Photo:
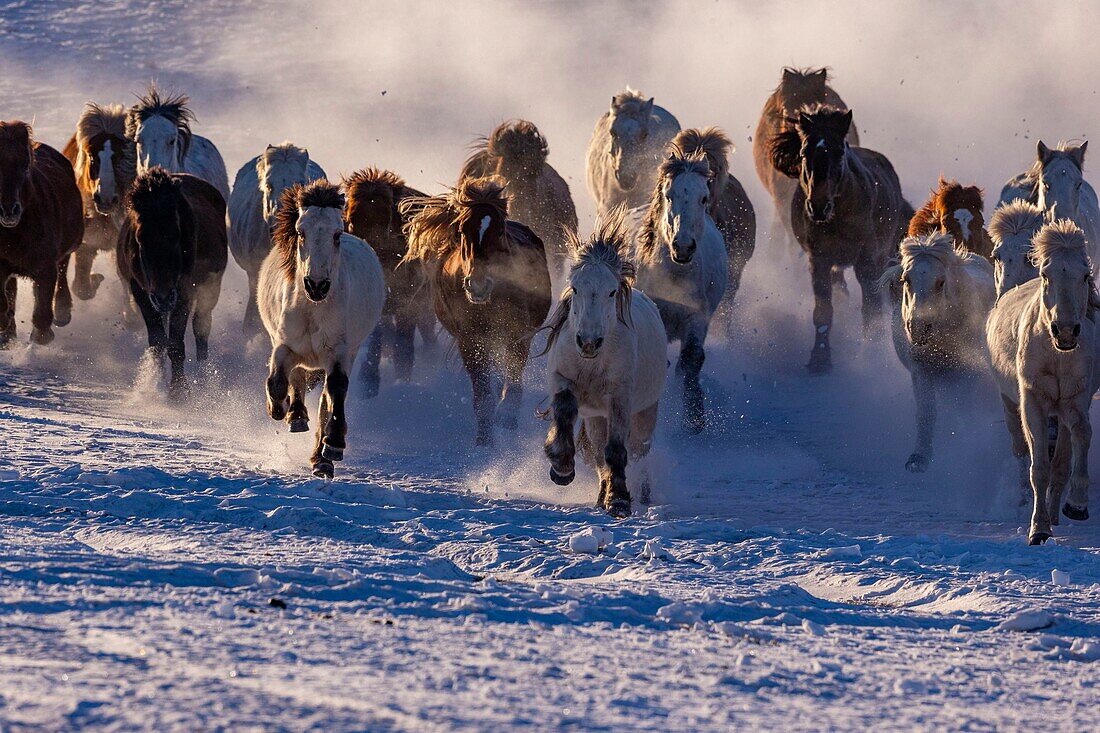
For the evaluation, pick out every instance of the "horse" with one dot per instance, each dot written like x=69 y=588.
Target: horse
x=1056 y=181
x=848 y=210
x=941 y=296
x=171 y=256
x=607 y=365
x=730 y=207
x=797 y=88
x=321 y=292
x=257 y=192
x=373 y=214
x=41 y=225
x=1012 y=227
x=160 y=128
x=1043 y=347
x=490 y=286
x=626 y=149
x=516 y=152
x=956 y=210
x=682 y=266
x=105 y=165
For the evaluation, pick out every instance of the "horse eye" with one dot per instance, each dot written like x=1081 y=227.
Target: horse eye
x=336 y=238
x=939 y=286
x=612 y=293
x=171 y=142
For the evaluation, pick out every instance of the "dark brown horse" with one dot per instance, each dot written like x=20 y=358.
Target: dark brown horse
x=373 y=214
x=172 y=252
x=848 y=210
x=516 y=152
x=105 y=165
x=490 y=285
x=41 y=225
x=956 y=210
x=729 y=204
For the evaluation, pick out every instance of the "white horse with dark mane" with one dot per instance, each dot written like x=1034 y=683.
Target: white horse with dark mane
x=607 y=364
x=321 y=294
x=160 y=127
x=1043 y=344
x=682 y=266
x=941 y=297
x=1055 y=183
x=1012 y=227
x=257 y=193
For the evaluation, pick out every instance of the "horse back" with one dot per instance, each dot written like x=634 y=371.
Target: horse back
x=208 y=213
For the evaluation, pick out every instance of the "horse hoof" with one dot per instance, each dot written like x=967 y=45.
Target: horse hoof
x=299 y=425
x=42 y=336
x=332 y=453
x=179 y=392
x=1079 y=514
x=917 y=463
x=323 y=469
x=278 y=412
x=1038 y=538
x=562 y=479
x=619 y=508
x=62 y=316
x=819 y=366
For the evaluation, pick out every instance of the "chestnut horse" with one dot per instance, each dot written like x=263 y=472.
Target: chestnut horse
x=490 y=286
x=956 y=210
x=372 y=213
x=41 y=225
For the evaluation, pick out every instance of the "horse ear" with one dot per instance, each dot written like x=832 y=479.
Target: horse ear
x=177 y=182
x=648 y=109
x=847 y=121
x=1078 y=154
x=1042 y=151
x=270 y=146
x=821 y=74
x=788 y=74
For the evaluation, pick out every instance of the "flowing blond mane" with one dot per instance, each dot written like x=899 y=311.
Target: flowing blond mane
x=675 y=165
x=1016 y=217
x=713 y=143
x=1061 y=238
x=433 y=227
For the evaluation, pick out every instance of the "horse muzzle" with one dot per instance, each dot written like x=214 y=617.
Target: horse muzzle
x=920 y=332
x=589 y=348
x=1066 y=336
x=820 y=214
x=682 y=254
x=10 y=217
x=104 y=204
x=626 y=180
x=316 y=290
x=478 y=292
x=164 y=303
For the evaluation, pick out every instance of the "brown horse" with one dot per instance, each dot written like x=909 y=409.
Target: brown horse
x=729 y=204
x=373 y=214
x=956 y=210
x=105 y=165
x=516 y=152
x=490 y=286
x=41 y=225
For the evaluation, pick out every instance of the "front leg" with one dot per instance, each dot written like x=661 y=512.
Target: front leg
x=690 y=366
x=476 y=361
x=617 y=501
x=278 y=381
x=560 y=448
x=62 y=296
x=7 y=306
x=154 y=323
x=515 y=360
x=178 y=388
x=1077 y=506
x=370 y=371
x=336 y=428
x=868 y=272
x=924 y=393
x=1035 y=417
x=821 y=279
x=42 y=317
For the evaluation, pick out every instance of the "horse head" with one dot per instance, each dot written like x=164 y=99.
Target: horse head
x=16 y=164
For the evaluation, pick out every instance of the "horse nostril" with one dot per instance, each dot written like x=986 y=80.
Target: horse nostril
x=599 y=342
x=1054 y=329
x=16 y=209
x=1076 y=330
x=580 y=342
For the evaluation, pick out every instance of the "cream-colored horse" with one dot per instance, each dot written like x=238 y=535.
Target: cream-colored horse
x=941 y=297
x=607 y=363
x=1043 y=348
x=1011 y=229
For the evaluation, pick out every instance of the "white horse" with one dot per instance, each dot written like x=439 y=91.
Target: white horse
x=161 y=130
x=1011 y=228
x=682 y=266
x=257 y=191
x=321 y=294
x=1043 y=345
x=607 y=364
x=941 y=297
x=1056 y=182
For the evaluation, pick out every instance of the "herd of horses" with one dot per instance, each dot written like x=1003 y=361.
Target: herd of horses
x=369 y=263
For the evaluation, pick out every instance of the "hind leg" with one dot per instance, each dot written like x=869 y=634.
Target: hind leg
x=595 y=429
x=515 y=360
x=62 y=297
x=1019 y=441
x=1080 y=429
x=642 y=425
x=821 y=358
x=559 y=447
x=868 y=271
x=336 y=426
x=404 y=347
x=476 y=362
x=206 y=297
x=252 y=324
x=297 y=417
x=369 y=372
x=322 y=467
x=1059 y=473
x=85 y=284
x=43 y=316
x=7 y=307
x=690 y=366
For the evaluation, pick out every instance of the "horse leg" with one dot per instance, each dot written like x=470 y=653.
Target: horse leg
x=868 y=272
x=297 y=417
x=690 y=365
x=559 y=446
x=1019 y=441
x=425 y=325
x=85 y=284
x=178 y=389
x=370 y=371
x=1035 y=430
x=42 y=317
x=322 y=467
x=821 y=358
x=924 y=393
x=1077 y=506
x=336 y=427
x=596 y=429
x=252 y=324
x=840 y=285
x=62 y=297
x=278 y=383
x=7 y=307
x=515 y=360
x=1061 y=458
x=617 y=502
x=476 y=362
x=642 y=425
x=404 y=346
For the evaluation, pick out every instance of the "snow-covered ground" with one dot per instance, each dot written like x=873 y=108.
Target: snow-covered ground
x=177 y=568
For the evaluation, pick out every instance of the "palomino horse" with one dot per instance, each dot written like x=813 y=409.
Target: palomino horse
x=490 y=286
x=41 y=225
x=321 y=293
x=257 y=191
x=848 y=210
x=956 y=210
x=730 y=207
x=626 y=150
x=160 y=128
x=608 y=357
x=1055 y=182
x=682 y=266
x=1043 y=344
x=1012 y=227
x=941 y=296
x=105 y=166
x=171 y=255
x=538 y=196
x=373 y=214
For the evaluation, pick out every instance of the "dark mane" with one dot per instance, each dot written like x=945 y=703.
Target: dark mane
x=172 y=107
x=515 y=144
x=370 y=192
x=284 y=235
x=18 y=133
x=948 y=196
x=785 y=149
x=433 y=227
x=677 y=163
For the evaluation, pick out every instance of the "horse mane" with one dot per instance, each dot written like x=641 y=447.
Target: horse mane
x=785 y=149
x=714 y=144
x=802 y=72
x=432 y=227
x=629 y=103
x=284 y=152
x=369 y=182
x=284 y=234
x=152 y=192
x=937 y=245
x=676 y=164
x=1062 y=236
x=928 y=217
x=609 y=245
x=17 y=132
x=1016 y=217
x=107 y=120
x=172 y=107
